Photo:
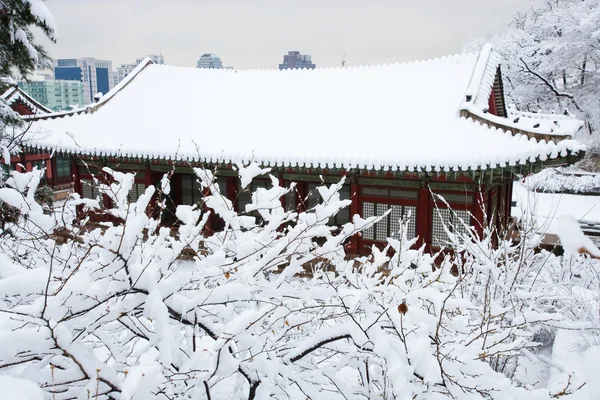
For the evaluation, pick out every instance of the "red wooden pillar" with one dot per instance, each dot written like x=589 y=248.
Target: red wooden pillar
x=49 y=173
x=423 y=217
x=479 y=209
x=148 y=175
x=509 y=192
x=147 y=183
x=107 y=180
x=76 y=177
x=282 y=198
x=302 y=188
x=232 y=191
x=76 y=182
x=354 y=209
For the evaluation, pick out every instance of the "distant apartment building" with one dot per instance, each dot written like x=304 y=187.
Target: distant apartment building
x=156 y=59
x=57 y=95
x=125 y=69
x=96 y=75
x=293 y=59
x=209 y=60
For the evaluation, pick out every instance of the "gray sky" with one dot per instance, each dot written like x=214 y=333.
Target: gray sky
x=256 y=34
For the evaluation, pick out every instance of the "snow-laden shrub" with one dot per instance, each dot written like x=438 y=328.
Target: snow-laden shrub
x=116 y=313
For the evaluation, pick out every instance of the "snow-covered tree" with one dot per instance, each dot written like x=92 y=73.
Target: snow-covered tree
x=552 y=60
x=270 y=307
x=19 y=56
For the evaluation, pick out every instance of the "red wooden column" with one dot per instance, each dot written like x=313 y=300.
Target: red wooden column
x=282 y=184
x=509 y=192
x=423 y=228
x=354 y=209
x=49 y=173
x=480 y=204
x=148 y=182
x=76 y=177
x=232 y=191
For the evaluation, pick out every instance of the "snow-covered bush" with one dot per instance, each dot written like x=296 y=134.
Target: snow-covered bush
x=557 y=180
x=116 y=313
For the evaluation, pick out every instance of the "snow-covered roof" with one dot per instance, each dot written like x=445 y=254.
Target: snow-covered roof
x=478 y=94
x=15 y=93
x=391 y=117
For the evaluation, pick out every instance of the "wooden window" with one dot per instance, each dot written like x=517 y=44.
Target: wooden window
x=451 y=219
x=389 y=227
x=456 y=198
x=394 y=193
x=343 y=215
x=290 y=200
x=245 y=196
x=90 y=191
x=63 y=167
x=136 y=191
x=191 y=191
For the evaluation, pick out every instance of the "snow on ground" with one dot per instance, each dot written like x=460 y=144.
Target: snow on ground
x=548 y=207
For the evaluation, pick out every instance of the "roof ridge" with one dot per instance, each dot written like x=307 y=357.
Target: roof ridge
x=435 y=60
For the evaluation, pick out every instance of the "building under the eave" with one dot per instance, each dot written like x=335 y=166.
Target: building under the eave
x=402 y=134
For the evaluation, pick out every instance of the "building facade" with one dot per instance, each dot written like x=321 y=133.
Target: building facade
x=57 y=95
x=156 y=59
x=125 y=69
x=209 y=60
x=95 y=75
x=295 y=60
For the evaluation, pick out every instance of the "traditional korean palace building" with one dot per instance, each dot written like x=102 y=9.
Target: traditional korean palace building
x=402 y=134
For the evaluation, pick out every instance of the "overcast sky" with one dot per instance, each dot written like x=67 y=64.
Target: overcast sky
x=256 y=34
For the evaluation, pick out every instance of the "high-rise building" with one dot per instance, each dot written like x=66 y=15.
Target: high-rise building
x=209 y=60
x=156 y=59
x=293 y=59
x=125 y=69
x=96 y=75
x=57 y=95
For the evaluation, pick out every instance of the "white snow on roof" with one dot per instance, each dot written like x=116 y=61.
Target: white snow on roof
x=398 y=117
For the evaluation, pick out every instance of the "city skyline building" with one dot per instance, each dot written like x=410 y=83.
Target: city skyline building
x=209 y=60
x=293 y=59
x=96 y=75
x=57 y=95
x=125 y=69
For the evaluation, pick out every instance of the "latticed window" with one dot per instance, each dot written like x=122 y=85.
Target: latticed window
x=136 y=191
x=245 y=196
x=452 y=220
x=390 y=225
x=385 y=192
x=90 y=190
x=63 y=167
x=191 y=190
x=290 y=200
x=313 y=195
x=343 y=215
x=456 y=198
